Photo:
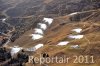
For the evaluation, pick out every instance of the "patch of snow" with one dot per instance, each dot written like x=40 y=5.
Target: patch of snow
x=31 y=49
x=78 y=30
x=39 y=31
x=48 y=20
x=3 y=19
x=76 y=36
x=38 y=46
x=42 y=26
x=73 y=13
x=75 y=46
x=35 y=47
x=15 y=50
x=36 y=36
x=63 y=43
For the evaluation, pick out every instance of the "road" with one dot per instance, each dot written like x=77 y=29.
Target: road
x=9 y=34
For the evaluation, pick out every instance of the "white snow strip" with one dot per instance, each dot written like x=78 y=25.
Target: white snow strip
x=39 y=31
x=73 y=13
x=76 y=36
x=78 y=30
x=48 y=20
x=42 y=26
x=30 y=49
x=38 y=46
x=36 y=36
x=35 y=47
x=63 y=43
x=75 y=46
x=3 y=19
x=15 y=50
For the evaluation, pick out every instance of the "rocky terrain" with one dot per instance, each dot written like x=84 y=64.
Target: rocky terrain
x=65 y=27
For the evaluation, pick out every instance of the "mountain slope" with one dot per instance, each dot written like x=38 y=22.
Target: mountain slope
x=75 y=30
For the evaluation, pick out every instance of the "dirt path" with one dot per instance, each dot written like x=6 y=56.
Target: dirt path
x=13 y=6
x=4 y=12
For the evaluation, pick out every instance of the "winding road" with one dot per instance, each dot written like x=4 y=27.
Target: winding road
x=13 y=6
x=9 y=34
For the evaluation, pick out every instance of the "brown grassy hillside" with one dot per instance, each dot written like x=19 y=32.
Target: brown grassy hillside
x=59 y=31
